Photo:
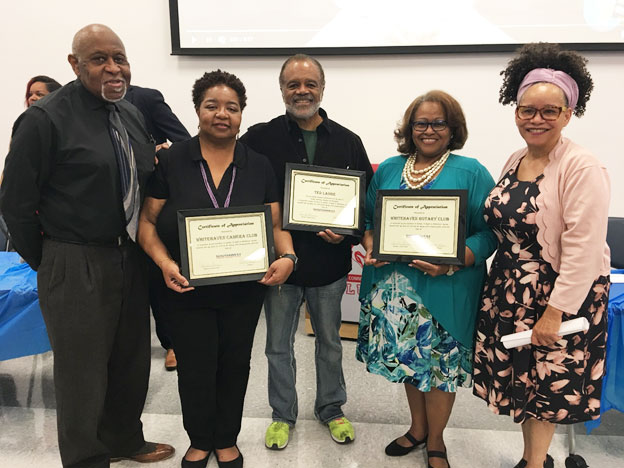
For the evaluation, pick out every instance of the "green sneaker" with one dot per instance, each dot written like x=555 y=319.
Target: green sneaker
x=276 y=437
x=341 y=430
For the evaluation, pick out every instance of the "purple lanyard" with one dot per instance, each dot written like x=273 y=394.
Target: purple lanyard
x=209 y=190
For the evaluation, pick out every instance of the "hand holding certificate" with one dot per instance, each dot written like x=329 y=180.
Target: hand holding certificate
x=225 y=245
x=427 y=225
x=318 y=198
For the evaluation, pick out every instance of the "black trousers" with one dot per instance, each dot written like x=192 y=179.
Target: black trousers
x=157 y=287
x=95 y=306
x=213 y=330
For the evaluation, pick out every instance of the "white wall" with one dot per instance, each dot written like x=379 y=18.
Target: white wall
x=367 y=94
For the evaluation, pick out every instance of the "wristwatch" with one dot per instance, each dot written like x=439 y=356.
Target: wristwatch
x=451 y=271
x=292 y=257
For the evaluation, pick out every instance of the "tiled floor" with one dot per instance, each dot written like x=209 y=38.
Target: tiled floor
x=475 y=437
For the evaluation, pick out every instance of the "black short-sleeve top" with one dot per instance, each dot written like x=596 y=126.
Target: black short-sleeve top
x=178 y=179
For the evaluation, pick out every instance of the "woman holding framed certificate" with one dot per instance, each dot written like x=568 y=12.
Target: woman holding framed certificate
x=549 y=211
x=417 y=318
x=218 y=184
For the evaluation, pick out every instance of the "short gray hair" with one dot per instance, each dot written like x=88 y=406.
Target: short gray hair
x=302 y=58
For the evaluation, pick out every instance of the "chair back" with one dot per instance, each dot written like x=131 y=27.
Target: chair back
x=615 y=239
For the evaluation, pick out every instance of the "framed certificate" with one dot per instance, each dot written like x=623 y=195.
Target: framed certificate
x=225 y=245
x=427 y=225
x=318 y=198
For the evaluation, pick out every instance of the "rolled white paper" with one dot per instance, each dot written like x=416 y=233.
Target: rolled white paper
x=617 y=277
x=524 y=338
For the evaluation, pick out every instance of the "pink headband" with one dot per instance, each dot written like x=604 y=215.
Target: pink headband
x=556 y=77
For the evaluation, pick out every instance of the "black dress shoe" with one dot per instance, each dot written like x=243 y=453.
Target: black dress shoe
x=236 y=463
x=395 y=450
x=436 y=454
x=548 y=463
x=197 y=463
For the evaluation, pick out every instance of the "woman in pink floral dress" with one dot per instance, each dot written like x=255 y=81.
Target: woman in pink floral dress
x=549 y=211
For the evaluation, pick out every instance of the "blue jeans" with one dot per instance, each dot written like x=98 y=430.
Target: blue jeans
x=281 y=307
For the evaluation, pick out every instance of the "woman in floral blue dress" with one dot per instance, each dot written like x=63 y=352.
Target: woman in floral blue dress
x=417 y=319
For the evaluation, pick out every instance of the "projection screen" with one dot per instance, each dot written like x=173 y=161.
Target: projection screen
x=280 y=27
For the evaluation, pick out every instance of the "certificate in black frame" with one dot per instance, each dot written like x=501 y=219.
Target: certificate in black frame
x=291 y=224
x=220 y=214
x=460 y=224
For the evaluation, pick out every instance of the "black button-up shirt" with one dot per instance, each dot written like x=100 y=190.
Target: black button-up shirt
x=61 y=177
x=281 y=140
x=178 y=179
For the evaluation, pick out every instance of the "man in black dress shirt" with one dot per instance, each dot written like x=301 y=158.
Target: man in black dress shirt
x=306 y=135
x=63 y=203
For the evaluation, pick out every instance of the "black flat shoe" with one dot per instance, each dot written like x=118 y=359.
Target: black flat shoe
x=236 y=463
x=396 y=450
x=195 y=464
x=548 y=463
x=436 y=454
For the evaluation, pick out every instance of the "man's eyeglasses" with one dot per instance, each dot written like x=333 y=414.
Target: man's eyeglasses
x=436 y=125
x=548 y=113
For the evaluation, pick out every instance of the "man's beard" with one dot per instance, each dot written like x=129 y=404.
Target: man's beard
x=303 y=114
x=107 y=99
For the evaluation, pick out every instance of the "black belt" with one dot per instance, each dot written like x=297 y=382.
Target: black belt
x=117 y=242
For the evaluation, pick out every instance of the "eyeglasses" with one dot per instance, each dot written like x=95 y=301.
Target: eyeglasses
x=547 y=113
x=436 y=125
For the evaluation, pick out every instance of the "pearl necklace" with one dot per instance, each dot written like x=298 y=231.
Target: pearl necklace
x=425 y=175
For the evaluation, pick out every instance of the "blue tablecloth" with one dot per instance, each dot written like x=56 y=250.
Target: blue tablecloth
x=612 y=397
x=22 y=330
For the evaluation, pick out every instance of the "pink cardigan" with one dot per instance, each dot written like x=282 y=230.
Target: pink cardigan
x=572 y=219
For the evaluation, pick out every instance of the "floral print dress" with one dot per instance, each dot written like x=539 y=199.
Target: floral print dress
x=399 y=339
x=560 y=383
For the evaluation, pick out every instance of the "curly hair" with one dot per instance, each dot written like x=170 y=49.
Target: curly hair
x=216 y=78
x=546 y=55
x=454 y=117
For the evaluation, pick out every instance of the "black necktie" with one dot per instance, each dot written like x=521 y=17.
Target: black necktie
x=127 y=170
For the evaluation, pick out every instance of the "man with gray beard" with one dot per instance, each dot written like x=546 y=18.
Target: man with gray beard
x=71 y=194
x=305 y=135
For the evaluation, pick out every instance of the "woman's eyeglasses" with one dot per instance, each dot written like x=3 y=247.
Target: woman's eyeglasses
x=548 y=113
x=436 y=125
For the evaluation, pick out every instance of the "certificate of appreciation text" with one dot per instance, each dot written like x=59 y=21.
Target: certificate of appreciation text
x=226 y=247
x=420 y=224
